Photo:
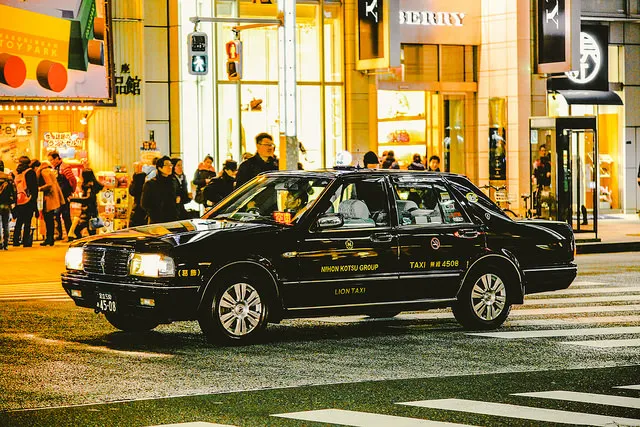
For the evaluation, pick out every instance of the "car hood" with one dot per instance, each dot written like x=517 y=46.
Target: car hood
x=179 y=232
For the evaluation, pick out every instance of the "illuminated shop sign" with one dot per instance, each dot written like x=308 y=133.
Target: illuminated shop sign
x=440 y=22
x=377 y=44
x=592 y=73
x=558 y=47
x=449 y=19
x=55 y=49
x=62 y=140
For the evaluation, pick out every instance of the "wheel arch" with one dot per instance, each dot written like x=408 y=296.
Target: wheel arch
x=502 y=262
x=251 y=268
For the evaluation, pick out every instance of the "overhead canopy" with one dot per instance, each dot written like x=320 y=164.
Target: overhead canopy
x=591 y=97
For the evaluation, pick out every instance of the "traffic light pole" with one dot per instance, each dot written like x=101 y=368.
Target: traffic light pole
x=287 y=85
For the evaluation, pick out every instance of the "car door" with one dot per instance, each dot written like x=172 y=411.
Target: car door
x=352 y=264
x=436 y=238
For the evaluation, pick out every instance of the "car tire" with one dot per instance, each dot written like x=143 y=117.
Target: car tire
x=131 y=323
x=483 y=301
x=235 y=313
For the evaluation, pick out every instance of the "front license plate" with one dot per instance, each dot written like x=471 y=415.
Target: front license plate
x=106 y=302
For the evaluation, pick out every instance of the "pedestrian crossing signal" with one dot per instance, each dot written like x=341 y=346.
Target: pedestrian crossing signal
x=198 y=53
x=234 y=59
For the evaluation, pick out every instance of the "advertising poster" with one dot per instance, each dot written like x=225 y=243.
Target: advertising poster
x=55 y=49
x=16 y=139
x=497 y=154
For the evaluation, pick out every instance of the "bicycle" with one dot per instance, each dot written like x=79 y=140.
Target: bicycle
x=527 y=209
x=501 y=198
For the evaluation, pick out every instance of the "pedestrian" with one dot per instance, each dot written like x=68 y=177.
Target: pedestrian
x=7 y=201
x=182 y=188
x=90 y=188
x=68 y=183
x=264 y=160
x=222 y=186
x=416 y=163
x=371 y=160
x=390 y=161
x=26 y=181
x=203 y=176
x=159 y=194
x=52 y=199
x=138 y=216
x=434 y=164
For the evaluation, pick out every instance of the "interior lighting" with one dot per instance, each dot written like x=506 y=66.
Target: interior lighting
x=83 y=120
x=22 y=120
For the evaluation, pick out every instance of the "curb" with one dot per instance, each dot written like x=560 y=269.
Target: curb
x=599 y=247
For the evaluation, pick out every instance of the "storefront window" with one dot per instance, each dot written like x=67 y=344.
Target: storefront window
x=420 y=63
x=453 y=146
x=334 y=135
x=332 y=52
x=452 y=69
x=603 y=6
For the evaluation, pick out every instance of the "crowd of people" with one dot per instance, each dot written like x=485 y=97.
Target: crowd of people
x=19 y=199
x=388 y=161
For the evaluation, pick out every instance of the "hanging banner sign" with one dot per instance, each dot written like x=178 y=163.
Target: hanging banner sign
x=558 y=35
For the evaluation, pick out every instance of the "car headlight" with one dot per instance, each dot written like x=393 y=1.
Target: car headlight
x=73 y=259
x=151 y=265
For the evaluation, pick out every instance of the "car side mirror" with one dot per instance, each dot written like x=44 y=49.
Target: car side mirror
x=330 y=220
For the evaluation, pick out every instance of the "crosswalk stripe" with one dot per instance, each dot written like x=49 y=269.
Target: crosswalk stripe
x=194 y=424
x=363 y=419
x=586 y=291
x=630 y=387
x=574 y=396
x=523 y=412
x=573 y=320
x=559 y=332
x=582 y=300
x=606 y=343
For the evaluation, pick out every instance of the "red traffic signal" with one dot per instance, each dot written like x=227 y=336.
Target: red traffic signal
x=234 y=59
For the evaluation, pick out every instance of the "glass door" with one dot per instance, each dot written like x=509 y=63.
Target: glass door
x=584 y=187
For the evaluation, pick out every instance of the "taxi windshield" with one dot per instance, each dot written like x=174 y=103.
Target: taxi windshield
x=268 y=198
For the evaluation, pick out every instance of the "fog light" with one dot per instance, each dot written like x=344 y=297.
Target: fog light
x=148 y=301
x=76 y=293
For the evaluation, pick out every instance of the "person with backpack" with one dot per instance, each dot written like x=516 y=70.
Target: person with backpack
x=7 y=200
x=26 y=202
x=68 y=183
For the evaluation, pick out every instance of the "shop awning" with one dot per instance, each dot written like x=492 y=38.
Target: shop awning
x=591 y=97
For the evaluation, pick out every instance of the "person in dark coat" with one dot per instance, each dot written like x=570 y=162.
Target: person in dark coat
x=223 y=185
x=203 y=176
x=390 y=161
x=182 y=188
x=90 y=189
x=416 y=164
x=24 y=213
x=138 y=215
x=263 y=161
x=159 y=194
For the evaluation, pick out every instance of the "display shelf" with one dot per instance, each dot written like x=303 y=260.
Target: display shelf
x=402 y=119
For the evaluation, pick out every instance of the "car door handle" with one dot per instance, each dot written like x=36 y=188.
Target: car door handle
x=381 y=237
x=467 y=234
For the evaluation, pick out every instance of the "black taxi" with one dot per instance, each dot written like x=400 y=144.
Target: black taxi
x=293 y=244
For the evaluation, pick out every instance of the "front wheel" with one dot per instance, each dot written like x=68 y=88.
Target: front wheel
x=482 y=302
x=131 y=323
x=236 y=313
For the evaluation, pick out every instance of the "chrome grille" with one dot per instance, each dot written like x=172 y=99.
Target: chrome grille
x=113 y=261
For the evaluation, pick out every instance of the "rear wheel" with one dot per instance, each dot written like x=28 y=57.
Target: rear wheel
x=483 y=301
x=235 y=313
x=131 y=323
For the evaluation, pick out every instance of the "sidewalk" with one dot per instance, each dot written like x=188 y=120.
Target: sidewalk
x=616 y=233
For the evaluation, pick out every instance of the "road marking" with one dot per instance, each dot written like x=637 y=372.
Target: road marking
x=573 y=320
x=582 y=300
x=194 y=424
x=606 y=343
x=559 y=332
x=630 y=387
x=574 y=396
x=363 y=419
x=522 y=412
x=586 y=291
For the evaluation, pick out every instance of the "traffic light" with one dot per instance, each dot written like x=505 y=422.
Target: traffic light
x=198 y=53
x=234 y=59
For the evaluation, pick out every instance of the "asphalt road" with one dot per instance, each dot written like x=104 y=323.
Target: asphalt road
x=585 y=339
